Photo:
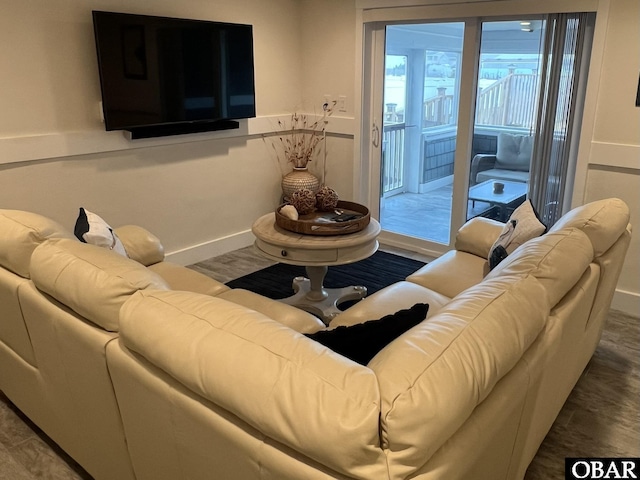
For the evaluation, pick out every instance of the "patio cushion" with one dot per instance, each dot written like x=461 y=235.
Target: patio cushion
x=501 y=174
x=514 y=152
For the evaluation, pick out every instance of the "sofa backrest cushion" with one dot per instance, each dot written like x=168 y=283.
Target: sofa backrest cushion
x=514 y=152
x=289 y=387
x=20 y=233
x=92 y=281
x=434 y=376
x=603 y=221
x=557 y=259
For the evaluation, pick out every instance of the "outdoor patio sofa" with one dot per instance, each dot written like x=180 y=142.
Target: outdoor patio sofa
x=510 y=162
x=189 y=385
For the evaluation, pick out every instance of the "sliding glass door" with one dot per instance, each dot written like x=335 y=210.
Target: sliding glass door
x=463 y=121
x=508 y=92
x=421 y=95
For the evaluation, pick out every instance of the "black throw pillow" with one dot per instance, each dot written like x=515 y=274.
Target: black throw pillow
x=363 y=341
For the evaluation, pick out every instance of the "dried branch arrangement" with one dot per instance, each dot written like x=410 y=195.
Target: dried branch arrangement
x=299 y=146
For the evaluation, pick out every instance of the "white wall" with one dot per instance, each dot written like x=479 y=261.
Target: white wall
x=612 y=168
x=199 y=197
x=49 y=68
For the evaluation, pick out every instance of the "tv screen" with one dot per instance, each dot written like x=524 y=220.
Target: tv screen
x=183 y=75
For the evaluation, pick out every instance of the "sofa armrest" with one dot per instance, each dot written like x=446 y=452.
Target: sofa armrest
x=480 y=163
x=478 y=235
x=141 y=245
x=186 y=279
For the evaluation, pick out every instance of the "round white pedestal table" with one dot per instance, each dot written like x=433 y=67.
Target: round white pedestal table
x=316 y=254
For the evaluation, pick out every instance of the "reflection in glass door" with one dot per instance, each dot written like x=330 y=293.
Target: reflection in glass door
x=421 y=95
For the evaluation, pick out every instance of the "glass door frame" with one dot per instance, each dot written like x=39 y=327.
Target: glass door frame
x=373 y=16
x=466 y=109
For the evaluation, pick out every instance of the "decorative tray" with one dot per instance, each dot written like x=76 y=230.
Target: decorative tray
x=327 y=223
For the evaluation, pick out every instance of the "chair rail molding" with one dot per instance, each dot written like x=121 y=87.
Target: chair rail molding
x=47 y=146
x=614 y=155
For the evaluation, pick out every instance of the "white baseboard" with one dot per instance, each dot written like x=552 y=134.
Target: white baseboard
x=415 y=245
x=626 y=302
x=213 y=248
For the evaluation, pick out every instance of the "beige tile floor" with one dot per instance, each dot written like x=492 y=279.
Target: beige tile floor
x=600 y=418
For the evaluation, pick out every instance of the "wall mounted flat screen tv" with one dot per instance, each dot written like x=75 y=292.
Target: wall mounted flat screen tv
x=165 y=76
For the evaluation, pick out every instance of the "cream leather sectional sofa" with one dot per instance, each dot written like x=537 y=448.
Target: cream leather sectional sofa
x=143 y=369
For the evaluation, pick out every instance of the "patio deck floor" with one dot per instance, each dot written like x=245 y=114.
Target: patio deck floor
x=423 y=215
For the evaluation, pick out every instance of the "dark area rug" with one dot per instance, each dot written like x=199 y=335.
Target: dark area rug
x=375 y=272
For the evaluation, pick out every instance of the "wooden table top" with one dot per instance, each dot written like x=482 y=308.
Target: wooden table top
x=299 y=249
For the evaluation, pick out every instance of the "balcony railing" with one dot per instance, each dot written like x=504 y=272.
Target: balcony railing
x=392 y=157
x=509 y=102
x=438 y=110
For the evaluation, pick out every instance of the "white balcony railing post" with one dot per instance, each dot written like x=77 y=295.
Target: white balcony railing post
x=392 y=157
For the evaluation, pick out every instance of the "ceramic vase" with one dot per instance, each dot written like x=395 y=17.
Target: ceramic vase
x=299 y=178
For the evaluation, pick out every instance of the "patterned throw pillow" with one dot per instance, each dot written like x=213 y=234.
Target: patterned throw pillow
x=92 y=229
x=523 y=225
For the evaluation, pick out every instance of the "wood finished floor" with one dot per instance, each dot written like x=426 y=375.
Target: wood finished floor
x=600 y=418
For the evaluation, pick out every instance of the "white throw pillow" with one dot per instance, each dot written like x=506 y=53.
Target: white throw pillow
x=91 y=228
x=523 y=225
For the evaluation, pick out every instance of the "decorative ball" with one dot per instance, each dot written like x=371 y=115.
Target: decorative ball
x=326 y=199
x=289 y=211
x=303 y=200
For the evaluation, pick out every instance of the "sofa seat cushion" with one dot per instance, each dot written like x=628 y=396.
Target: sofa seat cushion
x=434 y=376
x=92 y=281
x=22 y=232
x=389 y=300
x=292 y=317
x=502 y=174
x=557 y=259
x=287 y=386
x=451 y=273
x=603 y=221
